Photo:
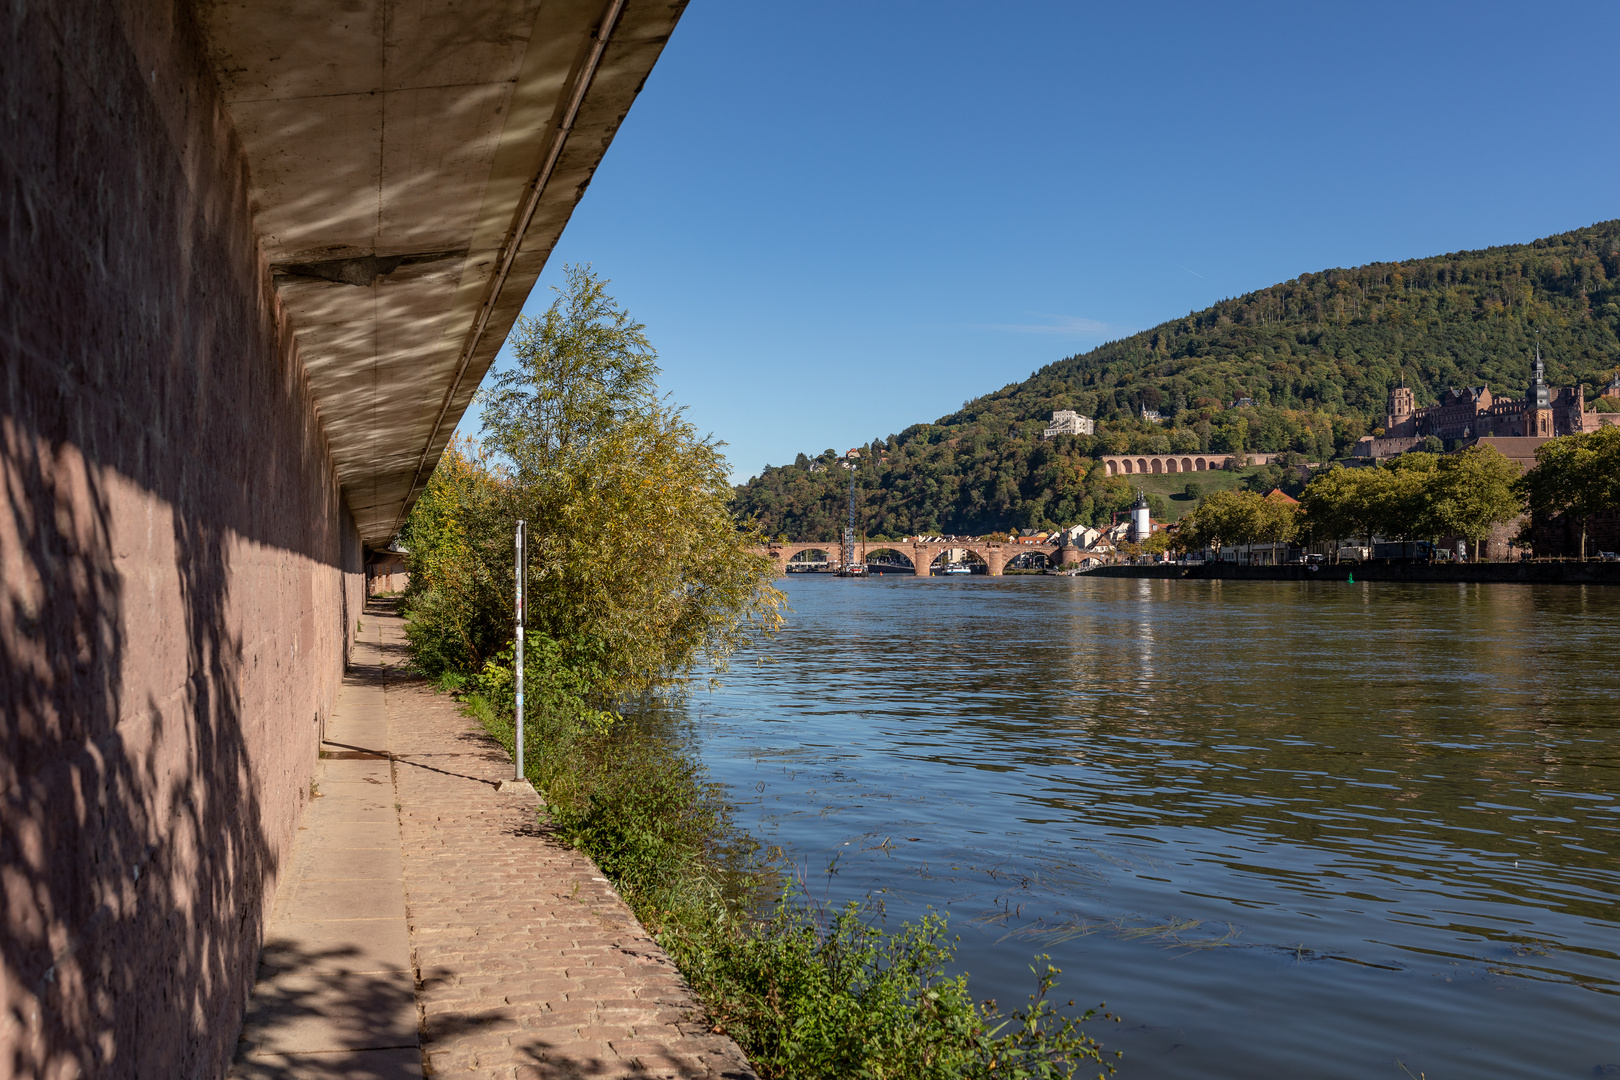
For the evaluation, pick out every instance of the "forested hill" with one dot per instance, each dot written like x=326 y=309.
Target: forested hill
x=1317 y=355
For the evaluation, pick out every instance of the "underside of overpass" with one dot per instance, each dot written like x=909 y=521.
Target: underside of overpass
x=412 y=165
x=255 y=258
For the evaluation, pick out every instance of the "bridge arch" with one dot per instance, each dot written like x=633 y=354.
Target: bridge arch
x=1038 y=558
x=975 y=560
x=889 y=559
x=806 y=557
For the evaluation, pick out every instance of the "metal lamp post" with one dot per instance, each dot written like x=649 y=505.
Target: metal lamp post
x=522 y=575
x=519 y=783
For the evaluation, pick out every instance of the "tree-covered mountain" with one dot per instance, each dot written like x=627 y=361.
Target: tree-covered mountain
x=1317 y=356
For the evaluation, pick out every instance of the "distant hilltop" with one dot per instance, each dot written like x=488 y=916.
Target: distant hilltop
x=1303 y=367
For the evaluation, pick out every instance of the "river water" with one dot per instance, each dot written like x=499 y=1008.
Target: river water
x=1282 y=829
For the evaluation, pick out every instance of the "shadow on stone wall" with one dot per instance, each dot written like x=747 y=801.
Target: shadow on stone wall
x=132 y=853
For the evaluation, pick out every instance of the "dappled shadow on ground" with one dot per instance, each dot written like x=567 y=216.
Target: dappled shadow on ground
x=330 y=990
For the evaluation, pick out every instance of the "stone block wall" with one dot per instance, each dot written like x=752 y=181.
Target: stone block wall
x=179 y=578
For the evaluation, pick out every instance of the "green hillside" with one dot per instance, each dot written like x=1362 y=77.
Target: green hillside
x=1317 y=355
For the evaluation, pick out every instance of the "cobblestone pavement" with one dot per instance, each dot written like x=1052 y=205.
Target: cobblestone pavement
x=527 y=964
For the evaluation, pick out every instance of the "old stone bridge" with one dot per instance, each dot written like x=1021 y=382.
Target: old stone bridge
x=922 y=555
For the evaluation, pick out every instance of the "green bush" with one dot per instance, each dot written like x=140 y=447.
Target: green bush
x=816 y=993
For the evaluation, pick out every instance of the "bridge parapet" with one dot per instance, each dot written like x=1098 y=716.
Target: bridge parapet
x=995 y=554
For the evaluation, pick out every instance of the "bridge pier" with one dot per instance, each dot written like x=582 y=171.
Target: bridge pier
x=922 y=560
x=995 y=556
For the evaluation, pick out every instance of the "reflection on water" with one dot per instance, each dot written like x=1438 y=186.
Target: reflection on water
x=1282 y=829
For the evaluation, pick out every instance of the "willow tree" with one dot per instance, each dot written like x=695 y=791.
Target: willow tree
x=635 y=556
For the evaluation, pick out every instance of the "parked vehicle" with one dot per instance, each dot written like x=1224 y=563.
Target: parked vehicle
x=1405 y=551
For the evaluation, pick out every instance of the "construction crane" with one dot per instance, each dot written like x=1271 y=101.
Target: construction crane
x=851 y=568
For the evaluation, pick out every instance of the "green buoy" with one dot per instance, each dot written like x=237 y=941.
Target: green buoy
x=1351 y=579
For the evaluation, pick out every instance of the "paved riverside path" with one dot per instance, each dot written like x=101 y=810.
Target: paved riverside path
x=430 y=927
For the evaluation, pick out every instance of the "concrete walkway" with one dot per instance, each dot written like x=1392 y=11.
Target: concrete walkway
x=429 y=927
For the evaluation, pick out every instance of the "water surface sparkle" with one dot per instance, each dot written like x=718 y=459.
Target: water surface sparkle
x=1282 y=829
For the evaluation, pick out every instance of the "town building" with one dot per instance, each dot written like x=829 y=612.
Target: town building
x=1069 y=422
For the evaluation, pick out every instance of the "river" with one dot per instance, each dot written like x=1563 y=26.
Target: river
x=1282 y=829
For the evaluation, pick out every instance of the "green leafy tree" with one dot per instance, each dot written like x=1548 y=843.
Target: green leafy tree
x=1403 y=501
x=1473 y=491
x=1277 y=520
x=457 y=608
x=638 y=570
x=1342 y=503
x=1576 y=477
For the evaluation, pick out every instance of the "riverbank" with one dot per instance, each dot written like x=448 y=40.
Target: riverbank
x=430 y=924
x=1549 y=573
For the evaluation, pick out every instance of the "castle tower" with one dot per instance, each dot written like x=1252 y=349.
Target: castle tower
x=1538 y=414
x=1401 y=407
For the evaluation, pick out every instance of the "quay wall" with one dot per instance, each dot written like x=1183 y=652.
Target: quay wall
x=1546 y=573
x=180 y=576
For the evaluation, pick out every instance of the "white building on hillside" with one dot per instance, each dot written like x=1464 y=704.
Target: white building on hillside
x=1069 y=422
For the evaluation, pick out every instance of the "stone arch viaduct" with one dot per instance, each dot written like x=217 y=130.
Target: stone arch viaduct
x=1135 y=464
x=995 y=554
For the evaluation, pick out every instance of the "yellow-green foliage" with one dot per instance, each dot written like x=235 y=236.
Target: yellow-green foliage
x=637 y=568
x=457 y=609
x=633 y=545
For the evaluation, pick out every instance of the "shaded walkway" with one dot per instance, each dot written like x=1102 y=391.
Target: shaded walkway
x=430 y=921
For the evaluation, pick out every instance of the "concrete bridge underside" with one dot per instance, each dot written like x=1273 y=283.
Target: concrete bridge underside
x=256 y=256
x=994 y=554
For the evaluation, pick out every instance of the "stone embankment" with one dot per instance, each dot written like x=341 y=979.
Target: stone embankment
x=428 y=925
x=1531 y=573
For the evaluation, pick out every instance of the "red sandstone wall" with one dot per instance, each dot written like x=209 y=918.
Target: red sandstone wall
x=180 y=578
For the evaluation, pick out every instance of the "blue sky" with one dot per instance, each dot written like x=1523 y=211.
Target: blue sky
x=838 y=219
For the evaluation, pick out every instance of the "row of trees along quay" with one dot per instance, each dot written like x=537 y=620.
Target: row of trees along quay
x=1421 y=495
x=640 y=579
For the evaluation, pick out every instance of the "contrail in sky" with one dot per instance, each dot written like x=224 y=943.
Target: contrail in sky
x=1194 y=273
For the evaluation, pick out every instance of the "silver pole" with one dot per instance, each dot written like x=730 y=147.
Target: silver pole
x=522 y=583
